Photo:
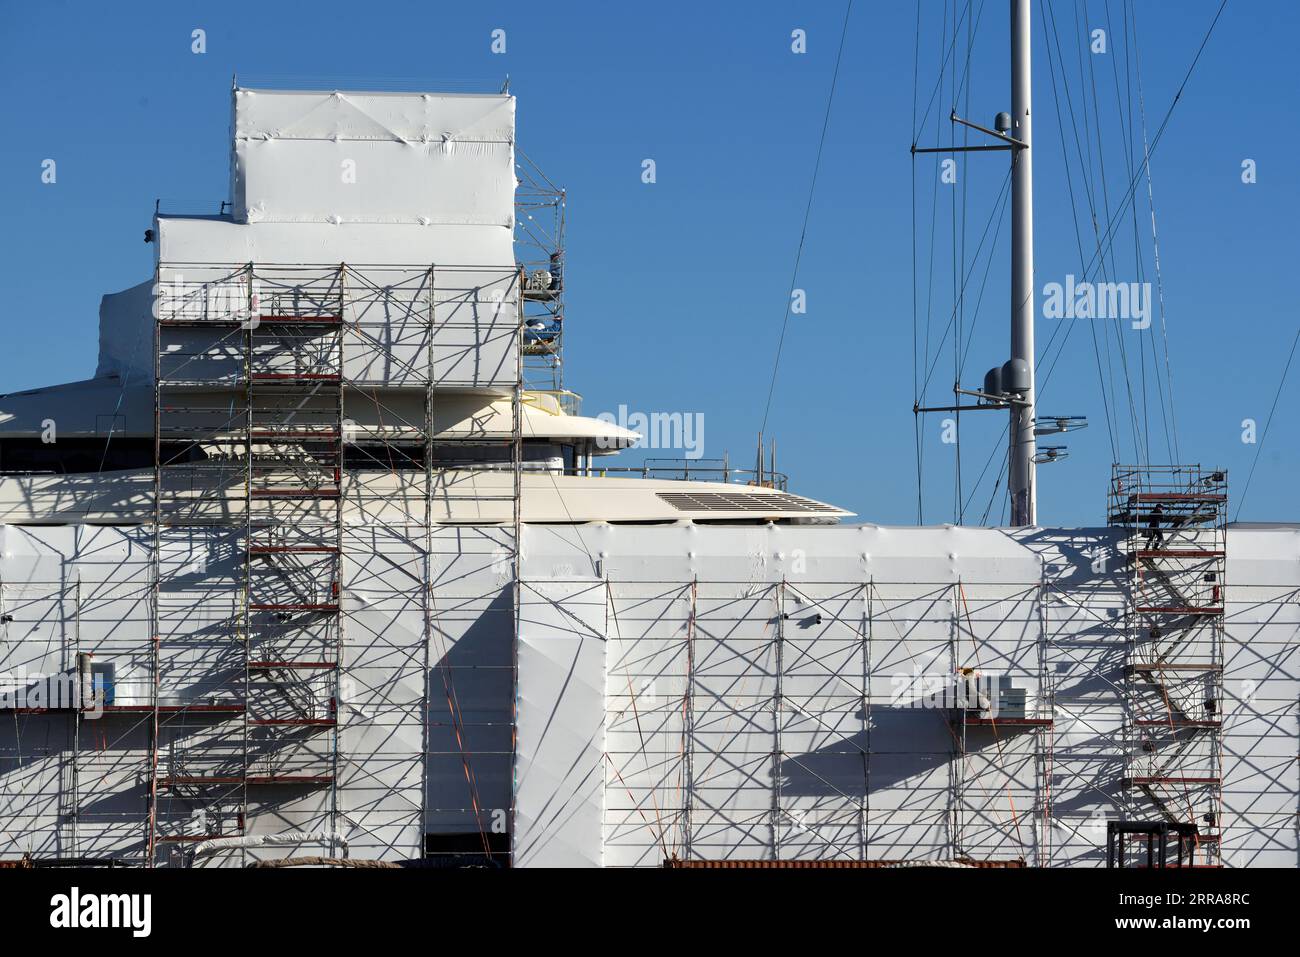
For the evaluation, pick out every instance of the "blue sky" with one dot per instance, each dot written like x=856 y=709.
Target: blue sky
x=677 y=289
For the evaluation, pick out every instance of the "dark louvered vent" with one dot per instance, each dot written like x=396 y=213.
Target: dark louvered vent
x=765 y=502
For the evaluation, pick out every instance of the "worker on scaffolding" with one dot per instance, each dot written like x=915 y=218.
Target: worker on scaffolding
x=1155 y=536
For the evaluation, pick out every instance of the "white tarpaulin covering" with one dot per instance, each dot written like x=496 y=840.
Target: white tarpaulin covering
x=608 y=769
x=199 y=240
x=815 y=746
x=373 y=157
x=561 y=727
x=126 y=332
x=330 y=177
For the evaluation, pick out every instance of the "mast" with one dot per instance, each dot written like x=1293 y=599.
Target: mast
x=1012 y=385
x=1021 y=471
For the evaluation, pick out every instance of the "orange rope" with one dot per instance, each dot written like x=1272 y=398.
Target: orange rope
x=453 y=707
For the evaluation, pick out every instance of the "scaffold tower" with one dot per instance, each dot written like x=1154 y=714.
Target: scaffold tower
x=287 y=398
x=1173 y=522
x=539 y=249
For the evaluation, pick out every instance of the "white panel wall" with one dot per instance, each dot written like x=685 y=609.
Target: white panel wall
x=560 y=765
x=1261 y=674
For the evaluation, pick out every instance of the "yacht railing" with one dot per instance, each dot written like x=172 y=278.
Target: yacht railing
x=554 y=401
x=691 y=470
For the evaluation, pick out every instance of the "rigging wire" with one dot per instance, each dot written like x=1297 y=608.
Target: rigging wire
x=1090 y=184
x=1105 y=239
x=984 y=282
x=993 y=496
x=970 y=42
x=812 y=190
x=943 y=66
x=1124 y=110
x=1267 y=422
x=1141 y=431
x=956 y=272
x=995 y=221
x=1078 y=238
x=1131 y=154
x=1048 y=359
x=995 y=216
x=997 y=447
x=916 y=421
x=1164 y=123
x=958 y=356
x=959 y=84
x=1172 y=433
x=934 y=217
x=1155 y=142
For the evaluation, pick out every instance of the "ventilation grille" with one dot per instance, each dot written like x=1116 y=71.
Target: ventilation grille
x=764 y=502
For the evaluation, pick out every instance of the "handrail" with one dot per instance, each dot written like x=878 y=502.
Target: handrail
x=690 y=471
x=568 y=403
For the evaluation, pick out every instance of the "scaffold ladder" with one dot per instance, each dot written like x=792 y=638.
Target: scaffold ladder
x=1173 y=522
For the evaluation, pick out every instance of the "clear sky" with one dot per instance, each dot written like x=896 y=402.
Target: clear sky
x=677 y=289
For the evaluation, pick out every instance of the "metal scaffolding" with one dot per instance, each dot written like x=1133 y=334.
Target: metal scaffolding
x=764 y=721
x=995 y=720
x=292 y=402
x=1174 y=522
x=539 y=248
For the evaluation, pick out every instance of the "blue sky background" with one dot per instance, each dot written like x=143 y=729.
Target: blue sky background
x=677 y=289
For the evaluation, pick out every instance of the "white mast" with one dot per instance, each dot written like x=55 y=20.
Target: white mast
x=1021 y=471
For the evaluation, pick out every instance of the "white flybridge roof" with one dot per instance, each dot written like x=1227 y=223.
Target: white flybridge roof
x=94 y=407
x=336 y=157
x=396 y=498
